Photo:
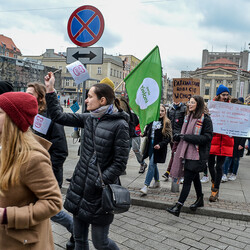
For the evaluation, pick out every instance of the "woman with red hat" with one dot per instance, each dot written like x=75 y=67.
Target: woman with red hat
x=29 y=193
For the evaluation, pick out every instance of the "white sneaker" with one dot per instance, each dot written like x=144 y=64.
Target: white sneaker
x=181 y=180
x=224 y=178
x=156 y=184
x=232 y=177
x=144 y=190
x=204 y=179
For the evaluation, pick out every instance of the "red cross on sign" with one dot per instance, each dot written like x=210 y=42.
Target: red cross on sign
x=85 y=26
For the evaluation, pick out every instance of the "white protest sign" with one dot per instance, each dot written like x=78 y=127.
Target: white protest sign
x=230 y=119
x=78 y=72
x=41 y=124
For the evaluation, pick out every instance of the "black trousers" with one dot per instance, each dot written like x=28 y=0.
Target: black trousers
x=189 y=177
x=216 y=169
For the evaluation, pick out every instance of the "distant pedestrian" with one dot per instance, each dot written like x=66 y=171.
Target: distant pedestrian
x=158 y=135
x=221 y=146
x=176 y=114
x=29 y=191
x=105 y=143
x=135 y=140
x=58 y=152
x=65 y=103
x=192 y=152
x=68 y=103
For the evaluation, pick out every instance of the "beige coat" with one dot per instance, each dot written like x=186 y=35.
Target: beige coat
x=30 y=205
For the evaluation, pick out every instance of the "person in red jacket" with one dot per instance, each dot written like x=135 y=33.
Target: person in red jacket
x=221 y=146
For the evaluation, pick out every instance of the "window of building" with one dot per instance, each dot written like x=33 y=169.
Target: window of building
x=114 y=72
x=67 y=82
x=99 y=70
x=230 y=91
x=7 y=53
x=111 y=72
x=120 y=74
x=207 y=90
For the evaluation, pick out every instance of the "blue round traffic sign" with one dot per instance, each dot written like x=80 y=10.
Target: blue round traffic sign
x=85 y=26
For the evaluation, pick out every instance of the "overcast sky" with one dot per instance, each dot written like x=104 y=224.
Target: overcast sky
x=181 y=28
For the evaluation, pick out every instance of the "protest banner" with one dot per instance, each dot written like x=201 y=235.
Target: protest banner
x=41 y=124
x=78 y=72
x=184 y=88
x=230 y=119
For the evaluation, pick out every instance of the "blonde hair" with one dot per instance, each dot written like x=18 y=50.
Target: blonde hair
x=167 y=128
x=16 y=147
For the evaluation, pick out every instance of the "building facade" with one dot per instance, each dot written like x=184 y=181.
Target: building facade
x=22 y=71
x=222 y=71
x=8 y=47
x=239 y=58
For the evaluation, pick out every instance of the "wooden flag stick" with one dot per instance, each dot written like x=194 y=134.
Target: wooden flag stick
x=56 y=71
x=118 y=85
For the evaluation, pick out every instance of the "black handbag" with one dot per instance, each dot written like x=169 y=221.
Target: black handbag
x=115 y=198
x=195 y=165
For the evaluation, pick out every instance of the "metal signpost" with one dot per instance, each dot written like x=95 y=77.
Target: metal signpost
x=85 y=28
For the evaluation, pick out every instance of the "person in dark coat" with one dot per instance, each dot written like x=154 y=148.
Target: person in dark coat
x=192 y=151
x=106 y=141
x=158 y=135
x=58 y=152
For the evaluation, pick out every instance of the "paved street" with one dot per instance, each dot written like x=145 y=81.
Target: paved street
x=147 y=228
x=221 y=225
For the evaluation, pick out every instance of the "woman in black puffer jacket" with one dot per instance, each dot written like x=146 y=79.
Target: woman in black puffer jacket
x=105 y=129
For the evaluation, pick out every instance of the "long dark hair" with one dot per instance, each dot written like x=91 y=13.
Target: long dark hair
x=104 y=90
x=199 y=108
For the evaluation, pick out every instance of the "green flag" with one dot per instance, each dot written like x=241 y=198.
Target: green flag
x=143 y=85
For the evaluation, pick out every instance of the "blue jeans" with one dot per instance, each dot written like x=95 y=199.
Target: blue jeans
x=64 y=219
x=99 y=236
x=153 y=171
x=231 y=160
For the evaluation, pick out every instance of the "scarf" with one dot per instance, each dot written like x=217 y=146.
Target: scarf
x=186 y=150
x=100 y=112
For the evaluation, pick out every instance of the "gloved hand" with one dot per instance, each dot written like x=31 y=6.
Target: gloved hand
x=178 y=137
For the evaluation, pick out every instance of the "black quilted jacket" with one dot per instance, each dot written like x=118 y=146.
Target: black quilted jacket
x=111 y=137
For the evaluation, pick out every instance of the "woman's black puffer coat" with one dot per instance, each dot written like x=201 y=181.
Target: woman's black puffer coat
x=111 y=137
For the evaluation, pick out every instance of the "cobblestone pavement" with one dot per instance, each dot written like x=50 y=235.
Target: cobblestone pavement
x=147 y=228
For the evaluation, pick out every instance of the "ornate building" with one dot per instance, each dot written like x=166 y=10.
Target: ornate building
x=222 y=71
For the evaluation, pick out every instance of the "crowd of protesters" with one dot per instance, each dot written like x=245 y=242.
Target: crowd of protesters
x=31 y=161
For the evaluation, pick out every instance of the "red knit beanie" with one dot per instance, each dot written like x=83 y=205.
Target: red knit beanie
x=20 y=107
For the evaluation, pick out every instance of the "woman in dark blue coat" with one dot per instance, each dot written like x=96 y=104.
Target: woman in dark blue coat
x=106 y=141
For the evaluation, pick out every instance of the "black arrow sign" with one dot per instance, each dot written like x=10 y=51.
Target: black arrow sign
x=91 y=55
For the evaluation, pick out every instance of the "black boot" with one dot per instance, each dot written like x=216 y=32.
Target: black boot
x=71 y=243
x=175 y=210
x=198 y=203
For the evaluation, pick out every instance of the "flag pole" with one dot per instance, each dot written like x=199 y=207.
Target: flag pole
x=118 y=85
